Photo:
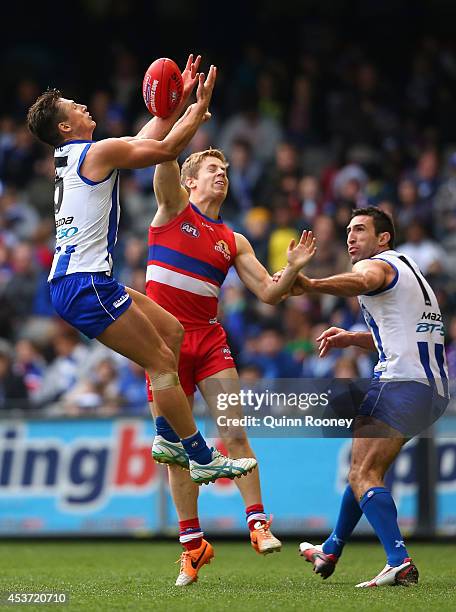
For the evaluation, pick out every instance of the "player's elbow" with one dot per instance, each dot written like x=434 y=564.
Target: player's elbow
x=369 y=283
x=273 y=301
x=266 y=297
x=169 y=153
x=169 y=150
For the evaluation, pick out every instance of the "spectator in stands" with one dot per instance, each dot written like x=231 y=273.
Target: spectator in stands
x=256 y=223
x=132 y=389
x=66 y=369
x=263 y=133
x=426 y=175
x=271 y=357
x=331 y=257
x=30 y=364
x=444 y=209
x=96 y=392
x=21 y=288
x=310 y=199
x=13 y=391
x=244 y=173
x=278 y=173
x=283 y=233
x=411 y=208
x=427 y=253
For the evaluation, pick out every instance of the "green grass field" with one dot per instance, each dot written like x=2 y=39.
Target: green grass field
x=141 y=575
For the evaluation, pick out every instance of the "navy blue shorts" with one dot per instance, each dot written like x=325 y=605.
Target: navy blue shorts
x=408 y=406
x=89 y=301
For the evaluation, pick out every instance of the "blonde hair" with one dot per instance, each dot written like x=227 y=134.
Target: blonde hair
x=192 y=164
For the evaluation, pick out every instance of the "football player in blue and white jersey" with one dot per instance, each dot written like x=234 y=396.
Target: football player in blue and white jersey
x=408 y=392
x=83 y=290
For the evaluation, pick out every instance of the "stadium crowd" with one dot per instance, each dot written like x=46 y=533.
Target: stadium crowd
x=340 y=137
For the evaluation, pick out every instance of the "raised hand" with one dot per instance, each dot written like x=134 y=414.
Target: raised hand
x=205 y=88
x=334 y=337
x=300 y=254
x=190 y=76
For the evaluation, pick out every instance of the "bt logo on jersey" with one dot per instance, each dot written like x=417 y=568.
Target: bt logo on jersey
x=190 y=229
x=424 y=327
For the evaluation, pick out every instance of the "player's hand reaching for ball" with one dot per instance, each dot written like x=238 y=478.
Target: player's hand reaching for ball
x=205 y=89
x=334 y=337
x=299 y=254
x=190 y=77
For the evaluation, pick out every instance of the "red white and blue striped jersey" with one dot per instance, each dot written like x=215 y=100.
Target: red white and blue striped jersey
x=189 y=258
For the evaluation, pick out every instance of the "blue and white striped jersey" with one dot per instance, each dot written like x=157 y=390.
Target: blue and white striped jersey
x=86 y=214
x=406 y=324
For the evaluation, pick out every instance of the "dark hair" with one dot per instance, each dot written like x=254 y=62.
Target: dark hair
x=44 y=116
x=382 y=221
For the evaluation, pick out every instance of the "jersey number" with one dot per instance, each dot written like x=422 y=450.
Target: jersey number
x=427 y=299
x=58 y=195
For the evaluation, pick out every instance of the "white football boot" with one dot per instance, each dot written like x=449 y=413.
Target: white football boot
x=220 y=467
x=405 y=574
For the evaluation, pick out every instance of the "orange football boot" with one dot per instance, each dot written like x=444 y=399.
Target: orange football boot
x=191 y=561
x=262 y=539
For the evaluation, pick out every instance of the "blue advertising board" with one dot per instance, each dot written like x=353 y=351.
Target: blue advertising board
x=97 y=477
x=77 y=476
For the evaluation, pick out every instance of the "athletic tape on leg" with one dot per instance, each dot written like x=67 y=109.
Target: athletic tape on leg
x=164 y=381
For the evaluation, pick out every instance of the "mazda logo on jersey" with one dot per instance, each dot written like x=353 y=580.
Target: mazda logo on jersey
x=190 y=229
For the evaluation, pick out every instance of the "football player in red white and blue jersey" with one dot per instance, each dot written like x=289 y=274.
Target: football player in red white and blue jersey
x=190 y=252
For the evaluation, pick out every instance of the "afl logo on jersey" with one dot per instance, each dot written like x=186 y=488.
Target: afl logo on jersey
x=190 y=229
x=222 y=247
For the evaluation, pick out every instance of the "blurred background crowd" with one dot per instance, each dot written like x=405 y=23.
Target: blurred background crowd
x=317 y=115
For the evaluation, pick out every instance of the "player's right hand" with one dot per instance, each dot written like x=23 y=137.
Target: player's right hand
x=334 y=337
x=300 y=254
x=205 y=88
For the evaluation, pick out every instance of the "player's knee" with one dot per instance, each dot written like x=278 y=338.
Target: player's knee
x=163 y=360
x=174 y=336
x=354 y=478
x=362 y=476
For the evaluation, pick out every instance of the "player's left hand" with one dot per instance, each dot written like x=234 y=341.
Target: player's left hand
x=300 y=254
x=190 y=76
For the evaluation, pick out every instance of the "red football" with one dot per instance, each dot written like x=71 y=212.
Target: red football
x=162 y=87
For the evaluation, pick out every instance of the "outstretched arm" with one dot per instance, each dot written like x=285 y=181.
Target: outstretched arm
x=255 y=276
x=157 y=128
x=367 y=275
x=112 y=153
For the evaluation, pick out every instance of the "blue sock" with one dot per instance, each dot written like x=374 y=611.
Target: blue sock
x=349 y=515
x=165 y=430
x=380 y=510
x=197 y=449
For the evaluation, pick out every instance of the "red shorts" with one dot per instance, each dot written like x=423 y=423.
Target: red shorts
x=204 y=352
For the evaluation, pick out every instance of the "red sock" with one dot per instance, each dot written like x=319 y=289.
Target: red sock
x=190 y=534
x=254 y=514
